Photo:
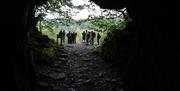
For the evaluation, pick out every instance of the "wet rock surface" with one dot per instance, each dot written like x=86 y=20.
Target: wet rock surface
x=76 y=68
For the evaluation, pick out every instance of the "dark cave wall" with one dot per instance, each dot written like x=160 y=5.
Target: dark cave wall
x=20 y=75
x=152 y=61
x=147 y=69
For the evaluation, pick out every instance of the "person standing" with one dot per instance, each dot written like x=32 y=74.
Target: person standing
x=60 y=36
x=83 y=36
x=63 y=37
x=93 y=36
x=69 y=37
x=87 y=37
x=98 y=37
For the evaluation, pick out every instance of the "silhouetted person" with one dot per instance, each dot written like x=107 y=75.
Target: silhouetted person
x=69 y=35
x=60 y=36
x=74 y=34
x=92 y=36
x=64 y=34
x=87 y=37
x=84 y=36
x=90 y=39
x=98 y=37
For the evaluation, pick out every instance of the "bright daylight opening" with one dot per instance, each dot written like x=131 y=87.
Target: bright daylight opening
x=77 y=15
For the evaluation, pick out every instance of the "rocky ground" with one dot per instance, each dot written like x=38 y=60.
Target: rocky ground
x=77 y=68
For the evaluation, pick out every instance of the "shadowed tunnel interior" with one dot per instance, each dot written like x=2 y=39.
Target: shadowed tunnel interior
x=152 y=55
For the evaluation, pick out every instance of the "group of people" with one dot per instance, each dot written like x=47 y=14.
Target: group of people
x=87 y=36
x=71 y=36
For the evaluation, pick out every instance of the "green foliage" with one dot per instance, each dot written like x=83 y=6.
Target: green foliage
x=110 y=24
x=42 y=45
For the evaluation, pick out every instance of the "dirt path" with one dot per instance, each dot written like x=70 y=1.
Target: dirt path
x=77 y=68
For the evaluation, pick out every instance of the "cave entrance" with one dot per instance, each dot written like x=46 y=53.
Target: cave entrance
x=71 y=37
